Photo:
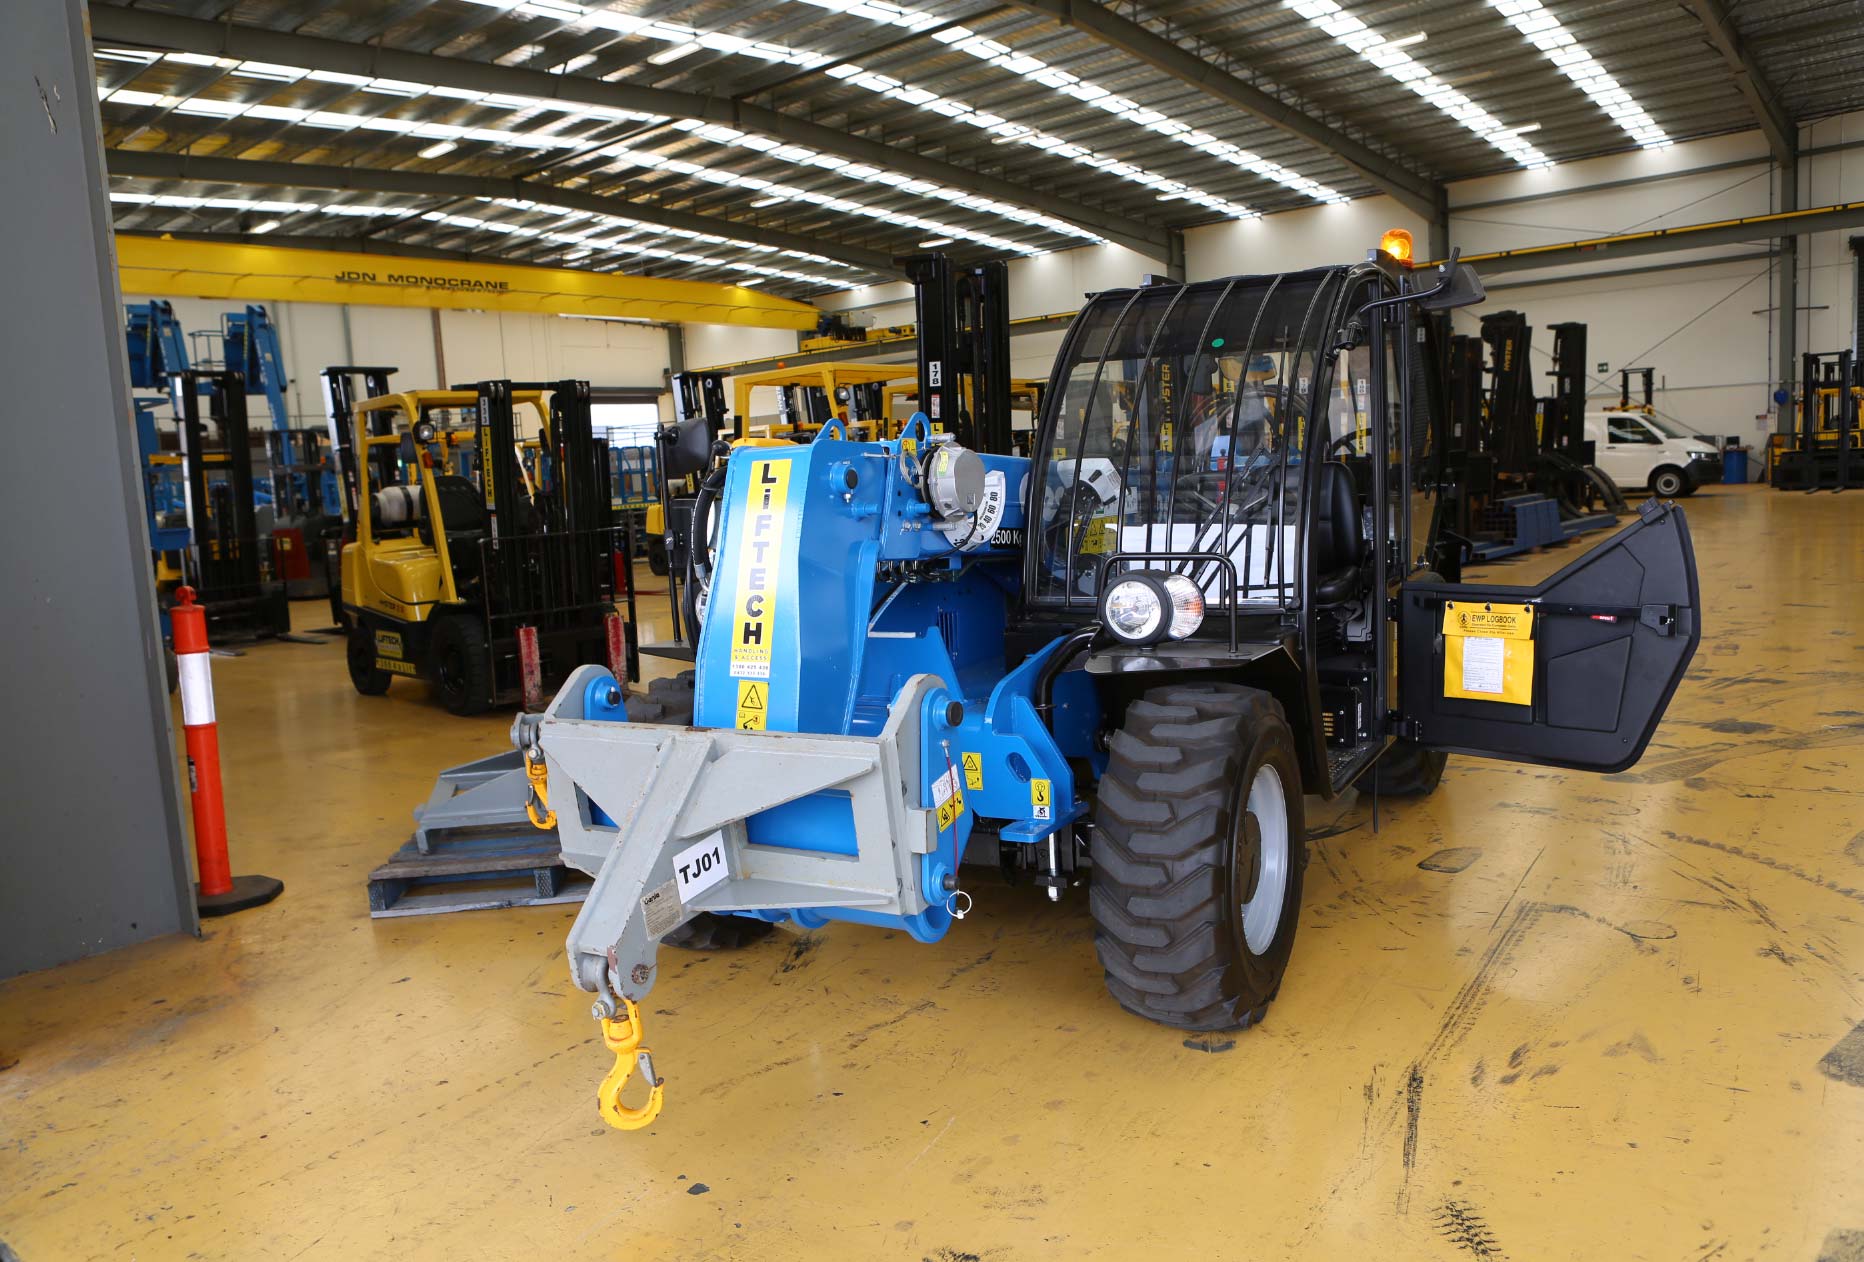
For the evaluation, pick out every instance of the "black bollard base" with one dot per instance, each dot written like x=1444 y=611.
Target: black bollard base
x=247 y=891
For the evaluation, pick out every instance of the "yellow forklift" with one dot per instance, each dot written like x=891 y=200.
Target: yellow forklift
x=478 y=553
x=811 y=396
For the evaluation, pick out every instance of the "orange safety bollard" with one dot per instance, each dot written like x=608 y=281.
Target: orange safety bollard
x=219 y=892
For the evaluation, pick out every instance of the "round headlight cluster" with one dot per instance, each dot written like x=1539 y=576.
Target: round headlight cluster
x=1148 y=606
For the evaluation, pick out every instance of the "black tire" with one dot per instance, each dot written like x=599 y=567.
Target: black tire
x=664 y=701
x=657 y=556
x=370 y=680
x=670 y=701
x=1405 y=770
x=711 y=931
x=1668 y=482
x=1177 y=855
x=462 y=666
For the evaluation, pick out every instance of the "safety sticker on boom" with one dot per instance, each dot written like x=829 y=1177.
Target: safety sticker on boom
x=760 y=546
x=753 y=705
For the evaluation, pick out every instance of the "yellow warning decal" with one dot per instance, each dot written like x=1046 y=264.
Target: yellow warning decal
x=753 y=705
x=1510 y=622
x=1097 y=539
x=1041 y=800
x=395 y=667
x=909 y=444
x=1165 y=436
x=973 y=770
x=760 y=550
x=1488 y=652
x=946 y=798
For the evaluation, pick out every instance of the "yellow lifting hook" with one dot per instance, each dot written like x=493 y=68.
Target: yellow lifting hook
x=623 y=1037
x=539 y=775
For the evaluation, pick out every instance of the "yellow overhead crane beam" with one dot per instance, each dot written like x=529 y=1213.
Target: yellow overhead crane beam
x=215 y=269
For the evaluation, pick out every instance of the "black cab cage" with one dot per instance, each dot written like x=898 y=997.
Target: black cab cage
x=1175 y=433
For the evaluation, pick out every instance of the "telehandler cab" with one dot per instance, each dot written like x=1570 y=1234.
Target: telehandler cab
x=1208 y=593
x=470 y=559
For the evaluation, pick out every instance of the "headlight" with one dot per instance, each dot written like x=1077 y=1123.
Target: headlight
x=1146 y=607
x=1187 y=607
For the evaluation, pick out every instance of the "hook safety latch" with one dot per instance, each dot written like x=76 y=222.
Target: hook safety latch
x=538 y=800
x=622 y=1036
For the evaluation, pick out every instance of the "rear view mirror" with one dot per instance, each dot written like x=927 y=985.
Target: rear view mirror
x=685 y=448
x=1462 y=289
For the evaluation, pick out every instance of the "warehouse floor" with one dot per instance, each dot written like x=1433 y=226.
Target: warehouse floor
x=1538 y=1015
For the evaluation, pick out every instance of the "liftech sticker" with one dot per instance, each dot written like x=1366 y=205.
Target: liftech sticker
x=760 y=547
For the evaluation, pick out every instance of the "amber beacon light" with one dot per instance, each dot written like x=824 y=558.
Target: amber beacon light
x=1397 y=243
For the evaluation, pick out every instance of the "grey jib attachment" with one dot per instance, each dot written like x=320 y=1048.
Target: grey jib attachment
x=679 y=797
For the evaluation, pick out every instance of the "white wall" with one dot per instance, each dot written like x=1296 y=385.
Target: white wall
x=711 y=345
x=1296 y=239
x=475 y=345
x=1708 y=329
x=525 y=347
x=1825 y=266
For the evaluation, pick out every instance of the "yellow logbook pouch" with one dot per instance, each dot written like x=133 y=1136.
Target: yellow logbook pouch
x=1488 y=652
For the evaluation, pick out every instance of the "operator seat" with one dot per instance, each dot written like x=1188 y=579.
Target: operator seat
x=1339 y=545
x=462 y=508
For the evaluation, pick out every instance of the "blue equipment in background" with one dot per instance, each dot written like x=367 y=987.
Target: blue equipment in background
x=250 y=345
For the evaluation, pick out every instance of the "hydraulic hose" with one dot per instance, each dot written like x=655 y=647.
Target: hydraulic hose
x=698 y=551
x=1060 y=660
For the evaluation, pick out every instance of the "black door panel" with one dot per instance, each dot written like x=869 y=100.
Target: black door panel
x=1613 y=633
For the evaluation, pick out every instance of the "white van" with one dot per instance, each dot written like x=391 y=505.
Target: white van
x=1642 y=449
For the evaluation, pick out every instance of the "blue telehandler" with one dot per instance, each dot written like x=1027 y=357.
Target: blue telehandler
x=1217 y=585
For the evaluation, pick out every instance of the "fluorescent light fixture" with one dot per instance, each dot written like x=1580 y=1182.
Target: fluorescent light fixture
x=1545 y=32
x=270 y=225
x=933 y=243
x=1390 y=57
x=675 y=53
x=440 y=150
x=745 y=282
x=761 y=202
x=525 y=106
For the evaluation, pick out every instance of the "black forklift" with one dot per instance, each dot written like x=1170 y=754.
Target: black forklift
x=228 y=562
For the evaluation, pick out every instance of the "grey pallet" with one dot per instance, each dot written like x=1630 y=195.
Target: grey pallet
x=474 y=874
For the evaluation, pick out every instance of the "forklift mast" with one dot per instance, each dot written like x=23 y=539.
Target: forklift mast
x=1833 y=376
x=340 y=411
x=699 y=396
x=225 y=562
x=1564 y=430
x=963 y=320
x=1648 y=375
x=1509 y=433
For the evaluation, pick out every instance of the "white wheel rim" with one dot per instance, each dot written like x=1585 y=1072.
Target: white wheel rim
x=1262 y=912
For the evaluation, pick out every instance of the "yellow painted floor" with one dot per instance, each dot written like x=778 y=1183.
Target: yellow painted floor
x=1600 y=1037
